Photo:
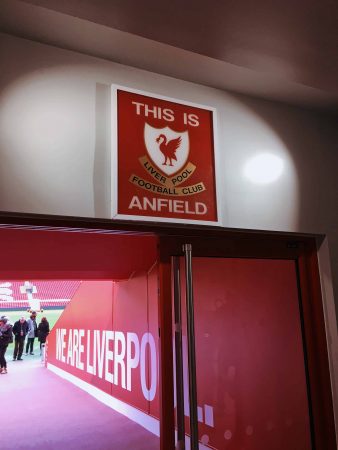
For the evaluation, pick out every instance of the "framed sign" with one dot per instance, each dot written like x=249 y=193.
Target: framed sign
x=163 y=159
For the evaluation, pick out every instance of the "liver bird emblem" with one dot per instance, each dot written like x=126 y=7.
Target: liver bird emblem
x=168 y=148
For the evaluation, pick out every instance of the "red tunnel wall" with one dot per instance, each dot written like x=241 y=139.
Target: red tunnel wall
x=124 y=307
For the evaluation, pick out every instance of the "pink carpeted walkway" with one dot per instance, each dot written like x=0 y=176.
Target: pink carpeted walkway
x=41 y=411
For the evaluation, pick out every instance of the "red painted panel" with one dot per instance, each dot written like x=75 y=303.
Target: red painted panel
x=118 y=354
x=90 y=309
x=153 y=328
x=59 y=255
x=130 y=315
x=250 y=364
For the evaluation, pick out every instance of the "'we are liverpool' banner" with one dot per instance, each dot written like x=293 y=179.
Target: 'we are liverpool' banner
x=163 y=159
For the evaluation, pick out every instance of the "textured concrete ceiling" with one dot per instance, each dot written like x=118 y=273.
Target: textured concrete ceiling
x=293 y=42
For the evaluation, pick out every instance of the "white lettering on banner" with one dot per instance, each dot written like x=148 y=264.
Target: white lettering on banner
x=156 y=112
x=132 y=363
x=63 y=344
x=90 y=369
x=70 y=358
x=100 y=350
x=112 y=355
x=168 y=204
x=109 y=356
x=149 y=394
x=142 y=109
x=119 y=357
x=75 y=347
x=80 y=364
x=59 y=340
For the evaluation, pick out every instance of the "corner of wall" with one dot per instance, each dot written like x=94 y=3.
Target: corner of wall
x=330 y=320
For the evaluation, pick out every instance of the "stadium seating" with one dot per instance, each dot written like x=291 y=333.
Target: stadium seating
x=53 y=293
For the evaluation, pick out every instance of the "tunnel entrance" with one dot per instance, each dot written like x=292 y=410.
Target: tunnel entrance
x=104 y=339
x=179 y=334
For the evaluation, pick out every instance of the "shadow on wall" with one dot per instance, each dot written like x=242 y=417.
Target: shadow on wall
x=47 y=126
x=102 y=159
x=311 y=138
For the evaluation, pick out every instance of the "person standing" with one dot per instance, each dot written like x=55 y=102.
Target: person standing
x=20 y=329
x=43 y=331
x=6 y=336
x=32 y=333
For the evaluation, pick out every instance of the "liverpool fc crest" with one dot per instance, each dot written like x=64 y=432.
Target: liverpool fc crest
x=168 y=149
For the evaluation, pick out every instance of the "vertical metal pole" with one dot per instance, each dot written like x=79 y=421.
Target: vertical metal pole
x=191 y=349
x=179 y=356
x=167 y=417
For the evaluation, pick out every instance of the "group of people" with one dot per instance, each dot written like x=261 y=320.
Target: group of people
x=21 y=329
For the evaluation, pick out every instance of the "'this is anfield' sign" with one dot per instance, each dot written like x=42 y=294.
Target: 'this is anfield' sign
x=163 y=159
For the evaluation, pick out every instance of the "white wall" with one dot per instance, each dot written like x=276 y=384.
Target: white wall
x=55 y=143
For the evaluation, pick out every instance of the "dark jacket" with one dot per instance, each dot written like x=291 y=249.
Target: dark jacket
x=6 y=335
x=18 y=327
x=43 y=331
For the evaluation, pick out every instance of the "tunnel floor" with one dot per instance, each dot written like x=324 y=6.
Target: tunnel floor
x=40 y=410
